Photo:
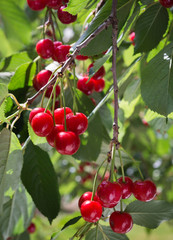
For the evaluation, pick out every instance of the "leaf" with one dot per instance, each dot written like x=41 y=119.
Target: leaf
x=150 y=27
x=3 y=91
x=107 y=231
x=157 y=82
x=39 y=178
x=150 y=214
x=14 y=20
x=5 y=77
x=17 y=214
x=74 y=7
x=34 y=138
x=2 y=113
x=71 y=222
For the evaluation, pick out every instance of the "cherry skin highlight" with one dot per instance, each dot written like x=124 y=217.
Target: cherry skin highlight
x=42 y=124
x=127 y=187
x=91 y=211
x=45 y=48
x=51 y=137
x=37 y=5
x=37 y=110
x=86 y=86
x=65 y=17
x=144 y=190
x=67 y=143
x=59 y=114
x=87 y=196
x=121 y=222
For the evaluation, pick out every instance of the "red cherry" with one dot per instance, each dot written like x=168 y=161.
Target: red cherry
x=166 y=3
x=132 y=36
x=87 y=196
x=49 y=33
x=145 y=123
x=59 y=114
x=91 y=211
x=37 y=110
x=49 y=91
x=55 y=4
x=144 y=190
x=43 y=77
x=99 y=74
x=85 y=86
x=121 y=222
x=77 y=123
x=37 y=5
x=42 y=124
x=35 y=83
x=67 y=143
x=99 y=84
x=31 y=228
x=45 y=48
x=126 y=187
x=60 y=53
x=51 y=137
x=65 y=17
x=109 y=193
x=65 y=1
x=56 y=45
x=81 y=57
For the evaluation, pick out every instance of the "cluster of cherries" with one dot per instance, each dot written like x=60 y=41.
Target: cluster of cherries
x=109 y=194
x=59 y=5
x=66 y=141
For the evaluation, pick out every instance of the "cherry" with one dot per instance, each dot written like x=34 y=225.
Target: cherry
x=91 y=211
x=121 y=222
x=51 y=137
x=65 y=17
x=77 y=123
x=99 y=84
x=166 y=3
x=87 y=196
x=126 y=187
x=67 y=143
x=37 y=110
x=132 y=37
x=81 y=57
x=49 y=91
x=42 y=124
x=59 y=114
x=85 y=86
x=144 y=190
x=35 y=83
x=31 y=228
x=145 y=123
x=55 y=4
x=45 y=48
x=99 y=74
x=37 y=5
x=49 y=33
x=60 y=53
x=56 y=45
x=109 y=193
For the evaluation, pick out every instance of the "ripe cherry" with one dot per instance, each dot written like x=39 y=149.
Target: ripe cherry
x=166 y=3
x=99 y=84
x=77 y=123
x=51 y=137
x=144 y=190
x=55 y=4
x=60 y=53
x=67 y=143
x=37 y=5
x=91 y=211
x=81 y=57
x=59 y=114
x=45 y=48
x=132 y=37
x=109 y=193
x=87 y=196
x=65 y=17
x=42 y=124
x=31 y=228
x=99 y=74
x=126 y=187
x=37 y=110
x=121 y=222
x=56 y=45
x=85 y=86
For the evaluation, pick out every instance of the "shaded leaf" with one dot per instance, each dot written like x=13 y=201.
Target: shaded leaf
x=3 y=91
x=71 y=222
x=74 y=7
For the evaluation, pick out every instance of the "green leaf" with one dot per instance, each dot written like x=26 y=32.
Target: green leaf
x=34 y=138
x=107 y=231
x=23 y=76
x=71 y=222
x=14 y=20
x=2 y=113
x=157 y=81
x=3 y=91
x=74 y=7
x=150 y=27
x=5 y=77
x=39 y=178
x=5 y=137
x=17 y=213
x=150 y=214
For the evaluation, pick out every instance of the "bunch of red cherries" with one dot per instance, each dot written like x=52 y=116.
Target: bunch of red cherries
x=109 y=194
x=61 y=130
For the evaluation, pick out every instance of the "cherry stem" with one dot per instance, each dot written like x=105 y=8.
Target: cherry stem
x=97 y=226
x=112 y=170
x=44 y=26
x=105 y=171
x=52 y=24
x=121 y=163
x=75 y=108
x=63 y=98
x=101 y=230
x=56 y=23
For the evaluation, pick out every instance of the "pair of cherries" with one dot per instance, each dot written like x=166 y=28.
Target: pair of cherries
x=65 y=142
x=96 y=83
x=109 y=194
